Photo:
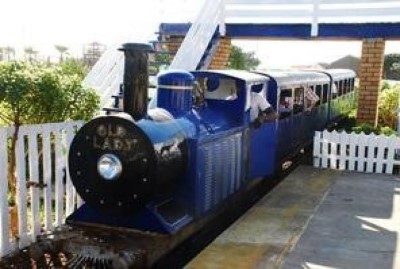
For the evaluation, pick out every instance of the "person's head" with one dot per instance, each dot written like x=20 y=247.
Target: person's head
x=257 y=88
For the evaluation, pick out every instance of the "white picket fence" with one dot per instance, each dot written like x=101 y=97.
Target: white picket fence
x=356 y=152
x=41 y=152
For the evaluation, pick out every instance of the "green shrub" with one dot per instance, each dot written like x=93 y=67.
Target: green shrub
x=365 y=128
x=34 y=93
x=387 y=105
x=387 y=131
x=349 y=124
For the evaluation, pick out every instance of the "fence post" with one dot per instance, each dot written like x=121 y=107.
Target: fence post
x=70 y=198
x=317 y=149
x=390 y=154
x=21 y=195
x=352 y=153
x=325 y=154
x=59 y=166
x=79 y=200
x=34 y=179
x=4 y=218
x=382 y=146
x=335 y=140
x=343 y=141
x=47 y=193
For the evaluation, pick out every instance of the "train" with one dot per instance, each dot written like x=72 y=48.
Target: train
x=165 y=169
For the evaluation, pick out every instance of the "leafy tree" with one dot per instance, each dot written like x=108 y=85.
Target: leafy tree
x=62 y=50
x=30 y=54
x=238 y=59
x=33 y=93
x=391 y=66
x=72 y=66
x=9 y=53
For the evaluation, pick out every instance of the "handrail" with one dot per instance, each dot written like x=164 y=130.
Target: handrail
x=106 y=75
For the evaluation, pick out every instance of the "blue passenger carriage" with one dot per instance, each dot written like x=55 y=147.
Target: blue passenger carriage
x=298 y=118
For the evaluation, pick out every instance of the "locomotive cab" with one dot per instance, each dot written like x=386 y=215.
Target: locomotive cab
x=227 y=96
x=228 y=105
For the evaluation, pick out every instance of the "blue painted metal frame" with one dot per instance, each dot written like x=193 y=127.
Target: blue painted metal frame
x=298 y=30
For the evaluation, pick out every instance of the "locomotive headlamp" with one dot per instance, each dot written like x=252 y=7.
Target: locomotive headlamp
x=109 y=167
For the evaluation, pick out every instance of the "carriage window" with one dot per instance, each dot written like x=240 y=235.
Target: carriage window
x=338 y=88
x=334 y=91
x=311 y=98
x=316 y=95
x=352 y=84
x=285 y=103
x=220 y=89
x=341 y=87
x=325 y=94
x=298 y=101
x=318 y=91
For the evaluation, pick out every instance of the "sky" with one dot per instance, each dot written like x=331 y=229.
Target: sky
x=72 y=23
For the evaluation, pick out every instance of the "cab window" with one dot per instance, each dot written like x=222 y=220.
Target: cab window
x=220 y=89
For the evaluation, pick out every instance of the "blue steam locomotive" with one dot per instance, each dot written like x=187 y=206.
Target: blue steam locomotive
x=161 y=169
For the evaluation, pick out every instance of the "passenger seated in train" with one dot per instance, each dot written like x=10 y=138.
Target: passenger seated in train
x=298 y=102
x=261 y=111
x=285 y=105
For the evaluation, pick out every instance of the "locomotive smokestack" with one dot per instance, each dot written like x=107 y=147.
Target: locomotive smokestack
x=136 y=79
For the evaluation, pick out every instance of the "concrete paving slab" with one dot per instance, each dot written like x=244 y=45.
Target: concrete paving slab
x=315 y=219
x=266 y=233
x=357 y=226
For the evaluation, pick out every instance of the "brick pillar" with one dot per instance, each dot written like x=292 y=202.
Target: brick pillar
x=370 y=77
x=174 y=44
x=221 y=56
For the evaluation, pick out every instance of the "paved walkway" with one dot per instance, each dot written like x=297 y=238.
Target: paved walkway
x=315 y=219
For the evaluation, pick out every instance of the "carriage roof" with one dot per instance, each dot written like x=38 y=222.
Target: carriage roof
x=339 y=74
x=288 y=78
x=246 y=76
